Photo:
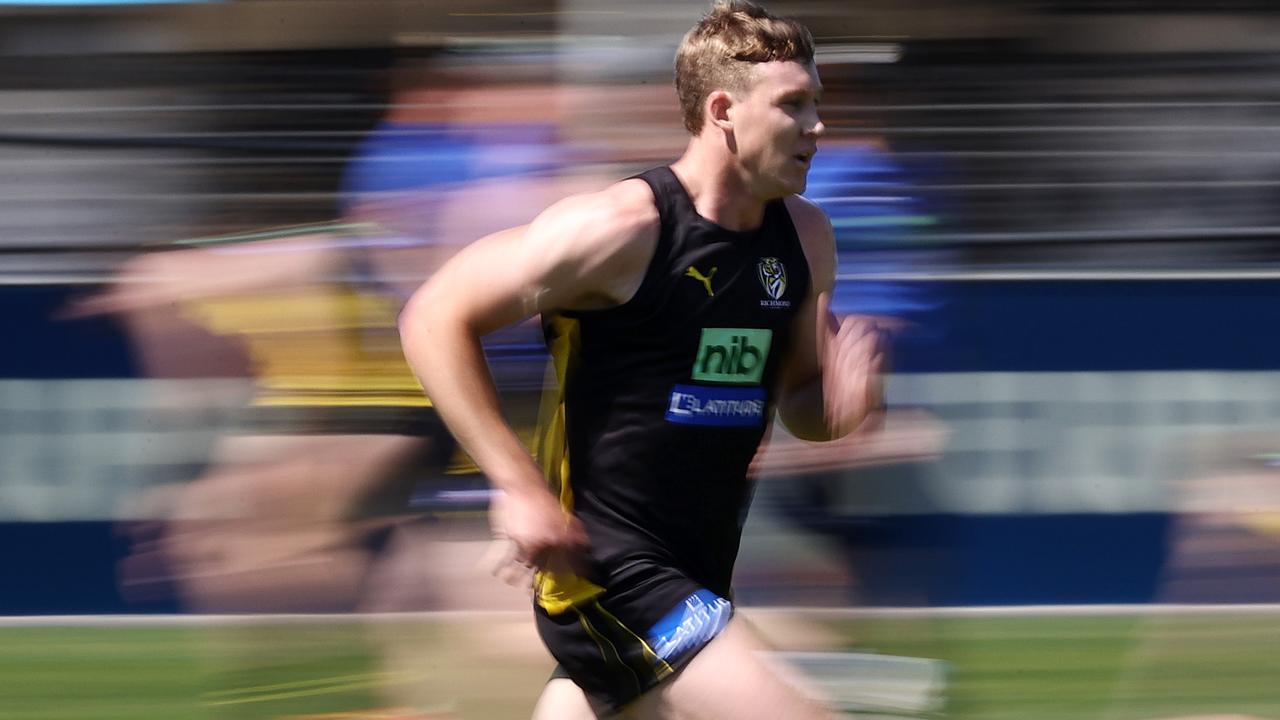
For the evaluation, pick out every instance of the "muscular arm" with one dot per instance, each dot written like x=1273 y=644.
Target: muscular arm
x=584 y=252
x=831 y=376
x=485 y=287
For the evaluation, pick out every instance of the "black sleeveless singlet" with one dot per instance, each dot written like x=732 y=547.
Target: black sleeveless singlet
x=665 y=399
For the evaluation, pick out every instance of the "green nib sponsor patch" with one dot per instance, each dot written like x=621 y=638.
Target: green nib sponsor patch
x=732 y=355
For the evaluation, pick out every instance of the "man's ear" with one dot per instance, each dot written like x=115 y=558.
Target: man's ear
x=717 y=109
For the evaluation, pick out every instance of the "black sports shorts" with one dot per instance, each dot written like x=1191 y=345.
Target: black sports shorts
x=623 y=643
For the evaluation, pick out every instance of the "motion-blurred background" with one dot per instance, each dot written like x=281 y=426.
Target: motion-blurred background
x=1066 y=210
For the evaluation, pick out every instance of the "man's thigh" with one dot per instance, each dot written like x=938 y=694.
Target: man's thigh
x=728 y=679
x=563 y=700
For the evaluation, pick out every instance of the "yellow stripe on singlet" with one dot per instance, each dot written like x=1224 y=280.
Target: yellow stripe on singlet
x=558 y=592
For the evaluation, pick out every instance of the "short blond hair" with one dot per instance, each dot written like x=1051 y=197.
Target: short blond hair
x=721 y=50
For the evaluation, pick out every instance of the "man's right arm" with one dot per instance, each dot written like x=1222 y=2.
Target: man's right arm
x=583 y=252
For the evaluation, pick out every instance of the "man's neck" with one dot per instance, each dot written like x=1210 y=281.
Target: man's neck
x=718 y=188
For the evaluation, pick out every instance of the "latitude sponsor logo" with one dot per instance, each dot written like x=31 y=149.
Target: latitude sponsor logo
x=732 y=355
x=689 y=625
x=716 y=406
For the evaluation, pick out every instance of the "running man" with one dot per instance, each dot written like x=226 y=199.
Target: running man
x=682 y=307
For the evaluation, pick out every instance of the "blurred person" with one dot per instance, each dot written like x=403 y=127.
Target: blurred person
x=872 y=200
x=335 y=420
x=681 y=307
x=308 y=492
x=308 y=504
x=458 y=132
x=1224 y=540
x=1223 y=545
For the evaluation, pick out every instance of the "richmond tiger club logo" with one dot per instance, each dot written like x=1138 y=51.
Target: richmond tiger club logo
x=773 y=276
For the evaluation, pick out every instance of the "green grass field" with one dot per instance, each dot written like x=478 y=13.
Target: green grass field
x=1024 y=668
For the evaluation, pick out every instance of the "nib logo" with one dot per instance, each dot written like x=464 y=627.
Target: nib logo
x=732 y=355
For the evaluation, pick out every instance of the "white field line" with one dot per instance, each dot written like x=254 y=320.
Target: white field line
x=1029 y=611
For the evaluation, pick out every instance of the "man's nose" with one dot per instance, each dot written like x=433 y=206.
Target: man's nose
x=817 y=129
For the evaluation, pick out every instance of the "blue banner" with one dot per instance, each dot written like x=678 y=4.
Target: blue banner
x=724 y=407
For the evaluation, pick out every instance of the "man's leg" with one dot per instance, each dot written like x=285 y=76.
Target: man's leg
x=562 y=700
x=727 y=679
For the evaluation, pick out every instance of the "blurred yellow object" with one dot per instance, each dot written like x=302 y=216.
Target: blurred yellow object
x=324 y=344
x=1266 y=523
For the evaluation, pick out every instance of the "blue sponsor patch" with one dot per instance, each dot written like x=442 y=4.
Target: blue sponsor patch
x=690 y=625
x=726 y=407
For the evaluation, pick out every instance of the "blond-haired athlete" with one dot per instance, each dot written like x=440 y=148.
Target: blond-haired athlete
x=683 y=307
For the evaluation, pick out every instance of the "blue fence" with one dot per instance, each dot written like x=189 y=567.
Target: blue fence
x=1078 y=513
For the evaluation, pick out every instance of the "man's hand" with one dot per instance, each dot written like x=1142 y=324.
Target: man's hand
x=852 y=359
x=541 y=535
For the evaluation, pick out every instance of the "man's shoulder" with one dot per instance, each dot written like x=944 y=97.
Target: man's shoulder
x=616 y=227
x=817 y=238
x=600 y=243
x=625 y=208
x=807 y=216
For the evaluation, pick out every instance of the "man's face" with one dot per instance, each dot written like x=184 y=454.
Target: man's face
x=776 y=127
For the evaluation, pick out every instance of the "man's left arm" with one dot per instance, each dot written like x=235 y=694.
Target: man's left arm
x=831 y=375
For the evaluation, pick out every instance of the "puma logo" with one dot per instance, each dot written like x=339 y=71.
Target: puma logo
x=704 y=279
